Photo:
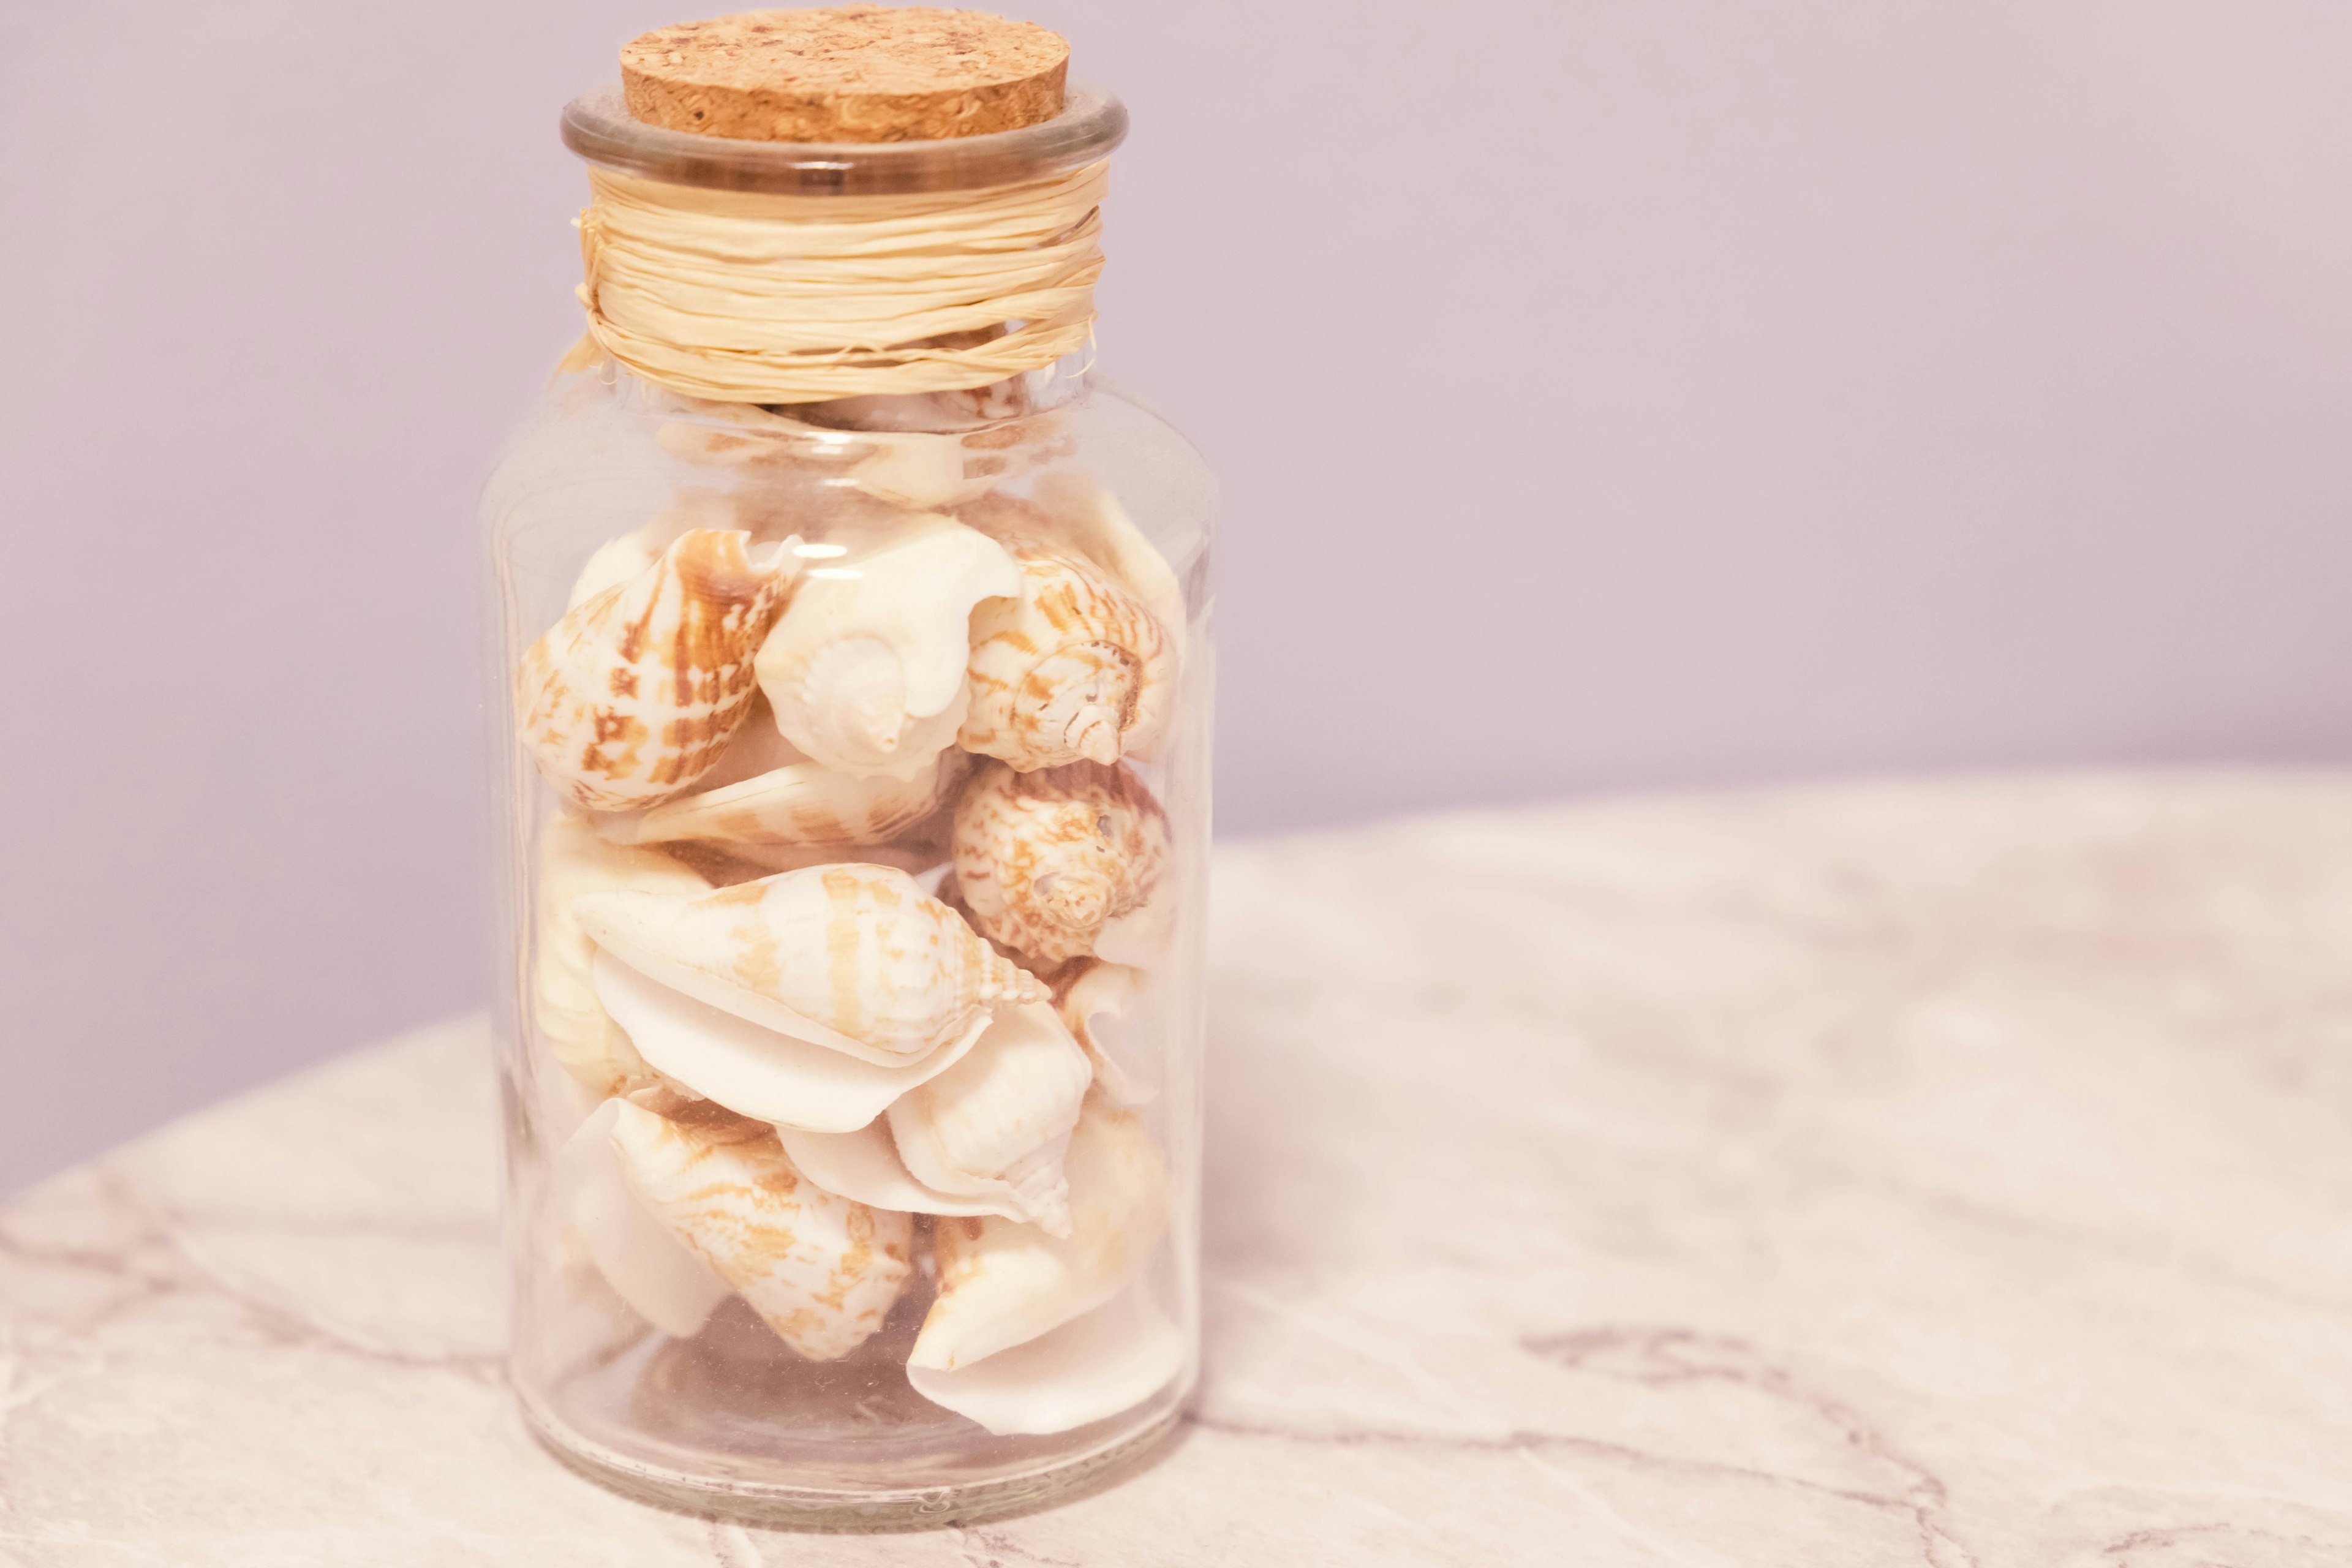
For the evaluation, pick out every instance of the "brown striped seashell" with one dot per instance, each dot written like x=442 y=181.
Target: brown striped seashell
x=853 y=957
x=820 y=1270
x=1044 y=859
x=1075 y=668
x=634 y=694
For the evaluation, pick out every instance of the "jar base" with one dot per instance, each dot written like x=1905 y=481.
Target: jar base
x=779 y=1506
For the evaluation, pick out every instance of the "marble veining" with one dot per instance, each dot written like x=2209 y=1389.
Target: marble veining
x=1948 y=1173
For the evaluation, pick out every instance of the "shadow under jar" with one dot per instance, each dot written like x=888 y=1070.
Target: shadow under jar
x=855 y=811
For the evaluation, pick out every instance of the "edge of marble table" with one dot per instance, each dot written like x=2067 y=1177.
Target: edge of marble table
x=1950 y=1172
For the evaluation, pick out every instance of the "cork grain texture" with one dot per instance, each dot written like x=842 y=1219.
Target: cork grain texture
x=849 y=73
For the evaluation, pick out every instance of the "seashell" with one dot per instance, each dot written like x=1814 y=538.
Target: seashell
x=820 y=1270
x=996 y=1125
x=1070 y=508
x=750 y=1071
x=800 y=805
x=579 y=1034
x=1045 y=858
x=864 y=1164
x=647 y=1266
x=1004 y=1283
x=865 y=670
x=1091 y=518
x=1073 y=669
x=853 y=957
x=1095 y=1365
x=1097 y=990
x=632 y=696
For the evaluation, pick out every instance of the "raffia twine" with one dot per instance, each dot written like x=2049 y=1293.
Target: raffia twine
x=743 y=296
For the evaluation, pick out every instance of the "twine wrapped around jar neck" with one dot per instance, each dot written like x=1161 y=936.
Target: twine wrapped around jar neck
x=752 y=297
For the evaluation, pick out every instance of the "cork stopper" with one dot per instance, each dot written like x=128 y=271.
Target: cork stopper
x=850 y=73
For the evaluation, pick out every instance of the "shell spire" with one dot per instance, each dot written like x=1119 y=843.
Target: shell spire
x=1074 y=670
x=865 y=670
x=1045 y=859
x=632 y=696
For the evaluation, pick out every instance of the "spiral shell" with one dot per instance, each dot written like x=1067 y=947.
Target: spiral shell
x=1075 y=668
x=803 y=804
x=853 y=956
x=632 y=696
x=1002 y=1283
x=1045 y=858
x=866 y=670
x=579 y=1034
x=820 y=1270
x=995 y=1124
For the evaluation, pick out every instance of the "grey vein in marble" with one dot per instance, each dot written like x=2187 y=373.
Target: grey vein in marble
x=1950 y=1174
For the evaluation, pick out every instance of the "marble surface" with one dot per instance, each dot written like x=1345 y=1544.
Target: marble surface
x=1948 y=1173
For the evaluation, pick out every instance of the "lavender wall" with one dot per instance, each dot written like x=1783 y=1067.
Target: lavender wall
x=1616 y=395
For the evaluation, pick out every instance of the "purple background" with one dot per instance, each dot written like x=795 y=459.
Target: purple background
x=1613 y=396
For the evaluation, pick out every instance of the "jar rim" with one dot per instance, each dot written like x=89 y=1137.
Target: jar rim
x=598 y=127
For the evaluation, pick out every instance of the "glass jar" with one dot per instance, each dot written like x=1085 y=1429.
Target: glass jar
x=854 y=791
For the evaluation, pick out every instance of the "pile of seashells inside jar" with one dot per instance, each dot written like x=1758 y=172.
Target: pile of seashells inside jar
x=853 y=904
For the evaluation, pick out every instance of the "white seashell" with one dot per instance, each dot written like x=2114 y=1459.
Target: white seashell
x=579 y=1034
x=1045 y=858
x=864 y=1165
x=1003 y=1284
x=648 y=1268
x=996 y=1125
x=1096 y=991
x=802 y=804
x=632 y=696
x=755 y=1071
x=1095 y=1365
x=820 y=1270
x=1075 y=669
x=865 y=670
x=853 y=957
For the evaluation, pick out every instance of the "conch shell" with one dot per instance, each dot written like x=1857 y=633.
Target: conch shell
x=996 y=1125
x=631 y=696
x=1004 y=1283
x=802 y=804
x=1073 y=669
x=1095 y=1365
x=853 y=957
x=865 y=670
x=641 y=1258
x=579 y=1033
x=1045 y=858
x=755 y=1071
x=820 y=1270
